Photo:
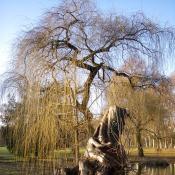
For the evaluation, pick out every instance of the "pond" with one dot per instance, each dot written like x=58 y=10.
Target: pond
x=50 y=168
x=143 y=170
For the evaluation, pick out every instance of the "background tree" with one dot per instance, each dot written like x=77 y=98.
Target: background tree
x=8 y=118
x=41 y=121
x=147 y=105
x=77 y=39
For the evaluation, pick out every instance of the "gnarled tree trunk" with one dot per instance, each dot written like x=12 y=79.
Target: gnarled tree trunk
x=105 y=154
x=139 y=143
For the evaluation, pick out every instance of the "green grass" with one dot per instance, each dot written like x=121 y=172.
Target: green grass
x=132 y=152
x=154 y=152
x=62 y=153
x=67 y=153
x=8 y=165
x=5 y=155
x=4 y=151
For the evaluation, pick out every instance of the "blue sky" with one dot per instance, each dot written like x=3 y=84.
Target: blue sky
x=18 y=15
x=161 y=11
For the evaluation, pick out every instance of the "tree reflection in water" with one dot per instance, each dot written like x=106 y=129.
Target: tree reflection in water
x=53 y=167
x=144 y=170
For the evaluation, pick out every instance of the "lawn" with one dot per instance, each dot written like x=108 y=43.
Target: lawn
x=151 y=152
x=154 y=152
x=7 y=156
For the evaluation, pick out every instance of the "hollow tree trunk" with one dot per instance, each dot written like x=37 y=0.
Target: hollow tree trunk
x=139 y=143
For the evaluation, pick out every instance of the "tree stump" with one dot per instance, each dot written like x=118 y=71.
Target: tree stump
x=104 y=153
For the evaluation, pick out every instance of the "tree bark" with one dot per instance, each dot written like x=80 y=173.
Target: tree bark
x=153 y=143
x=77 y=152
x=76 y=146
x=139 y=143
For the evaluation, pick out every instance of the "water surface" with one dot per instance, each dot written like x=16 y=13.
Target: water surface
x=52 y=168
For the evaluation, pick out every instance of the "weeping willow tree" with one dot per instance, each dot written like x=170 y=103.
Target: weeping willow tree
x=43 y=120
x=75 y=35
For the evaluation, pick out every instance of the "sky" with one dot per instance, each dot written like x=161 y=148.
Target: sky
x=19 y=15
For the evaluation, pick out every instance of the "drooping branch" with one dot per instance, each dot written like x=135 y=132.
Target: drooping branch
x=144 y=81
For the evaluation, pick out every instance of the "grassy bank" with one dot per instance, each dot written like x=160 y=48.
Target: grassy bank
x=6 y=155
x=152 y=152
x=149 y=152
x=8 y=164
